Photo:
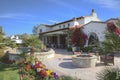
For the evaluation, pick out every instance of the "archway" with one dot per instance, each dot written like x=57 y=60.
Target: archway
x=93 y=39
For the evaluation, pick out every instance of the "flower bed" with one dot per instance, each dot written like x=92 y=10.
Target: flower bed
x=36 y=71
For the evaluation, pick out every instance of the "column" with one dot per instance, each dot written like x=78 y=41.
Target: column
x=58 y=40
x=46 y=40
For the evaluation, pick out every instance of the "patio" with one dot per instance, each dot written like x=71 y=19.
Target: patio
x=62 y=64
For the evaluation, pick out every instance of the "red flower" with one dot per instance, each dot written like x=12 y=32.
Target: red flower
x=27 y=67
x=117 y=31
x=43 y=73
x=37 y=65
x=113 y=28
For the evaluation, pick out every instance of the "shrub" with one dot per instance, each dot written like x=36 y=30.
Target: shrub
x=78 y=37
x=109 y=73
x=86 y=49
x=69 y=49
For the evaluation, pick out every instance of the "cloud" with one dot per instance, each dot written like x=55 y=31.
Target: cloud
x=17 y=16
x=112 y=4
x=28 y=22
x=53 y=21
x=20 y=18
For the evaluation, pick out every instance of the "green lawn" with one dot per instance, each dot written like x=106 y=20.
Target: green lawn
x=8 y=72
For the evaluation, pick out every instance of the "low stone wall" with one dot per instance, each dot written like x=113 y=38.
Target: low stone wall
x=48 y=54
x=84 y=62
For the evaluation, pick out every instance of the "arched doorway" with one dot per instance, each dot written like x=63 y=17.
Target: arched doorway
x=93 y=39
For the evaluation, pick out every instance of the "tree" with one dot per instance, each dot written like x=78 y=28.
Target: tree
x=13 y=44
x=33 y=42
x=112 y=41
x=35 y=28
x=78 y=37
x=1 y=42
x=1 y=37
x=24 y=38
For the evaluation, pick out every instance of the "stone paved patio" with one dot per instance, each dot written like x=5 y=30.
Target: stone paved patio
x=62 y=64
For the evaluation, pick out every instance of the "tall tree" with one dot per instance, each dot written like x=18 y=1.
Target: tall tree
x=24 y=38
x=1 y=37
x=1 y=41
x=35 y=28
x=1 y=34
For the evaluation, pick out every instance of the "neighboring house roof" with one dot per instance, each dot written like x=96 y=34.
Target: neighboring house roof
x=16 y=39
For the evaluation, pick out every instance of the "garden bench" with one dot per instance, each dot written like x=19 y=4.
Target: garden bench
x=108 y=58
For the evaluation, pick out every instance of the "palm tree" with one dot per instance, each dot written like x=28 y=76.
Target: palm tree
x=33 y=42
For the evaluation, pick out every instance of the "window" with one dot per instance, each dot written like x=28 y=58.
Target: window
x=68 y=24
x=59 y=26
x=64 y=26
x=40 y=30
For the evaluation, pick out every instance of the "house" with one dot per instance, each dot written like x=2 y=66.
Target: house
x=57 y=35
x=16 y=39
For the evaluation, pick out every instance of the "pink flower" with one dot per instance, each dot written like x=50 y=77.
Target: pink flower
x=117 y=31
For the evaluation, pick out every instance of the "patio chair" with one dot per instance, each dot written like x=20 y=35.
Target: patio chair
x=107 y=58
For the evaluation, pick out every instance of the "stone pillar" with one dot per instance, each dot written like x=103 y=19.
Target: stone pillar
x=45 y=39
x=58 y=40
x=68 y=40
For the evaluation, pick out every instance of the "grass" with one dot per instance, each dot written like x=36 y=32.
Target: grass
x=8 y=72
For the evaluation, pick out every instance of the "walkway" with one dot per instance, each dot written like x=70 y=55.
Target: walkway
x=62 y=64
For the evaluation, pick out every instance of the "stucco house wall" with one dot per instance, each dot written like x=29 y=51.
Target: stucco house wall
x=90 y=24
x=99 y=28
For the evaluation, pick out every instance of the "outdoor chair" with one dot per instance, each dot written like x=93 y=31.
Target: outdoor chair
x=107 y=58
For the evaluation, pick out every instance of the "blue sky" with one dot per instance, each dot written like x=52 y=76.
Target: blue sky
x=19 y=16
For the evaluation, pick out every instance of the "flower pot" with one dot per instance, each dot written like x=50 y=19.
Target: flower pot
x=76 y=49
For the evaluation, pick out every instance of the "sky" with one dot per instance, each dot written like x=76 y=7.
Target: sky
x=20 y=16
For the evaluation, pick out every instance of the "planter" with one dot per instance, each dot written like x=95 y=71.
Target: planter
x=76 y=49
x=84 y=60
x=47 y=54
